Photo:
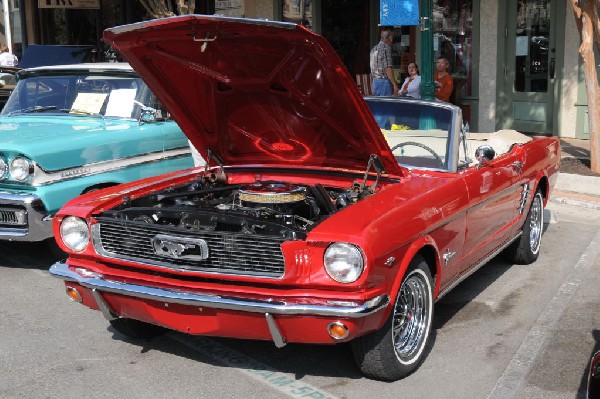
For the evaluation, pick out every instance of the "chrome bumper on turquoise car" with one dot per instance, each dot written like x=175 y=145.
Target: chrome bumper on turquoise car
x=23 y=217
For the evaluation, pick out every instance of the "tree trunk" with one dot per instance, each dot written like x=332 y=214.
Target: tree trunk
x=586 y=19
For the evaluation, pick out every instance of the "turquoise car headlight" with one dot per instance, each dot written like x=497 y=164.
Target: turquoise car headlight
x=343 y=262
x=3 y=168
x=74 y=233
x=21 y=168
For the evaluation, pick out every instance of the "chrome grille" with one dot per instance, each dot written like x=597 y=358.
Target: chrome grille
x=13 y=217
x=228 y=253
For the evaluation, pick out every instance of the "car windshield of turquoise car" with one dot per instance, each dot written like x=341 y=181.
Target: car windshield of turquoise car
x=89 y=95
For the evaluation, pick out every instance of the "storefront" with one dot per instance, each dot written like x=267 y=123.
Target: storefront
x=514 y=63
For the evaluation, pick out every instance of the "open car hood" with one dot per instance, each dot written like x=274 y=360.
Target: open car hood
x=255 y=91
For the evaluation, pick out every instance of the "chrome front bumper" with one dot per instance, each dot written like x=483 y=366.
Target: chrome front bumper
x=293 y=307
x=24 y=218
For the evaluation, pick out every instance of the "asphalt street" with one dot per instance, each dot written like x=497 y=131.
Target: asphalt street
x=508 y=331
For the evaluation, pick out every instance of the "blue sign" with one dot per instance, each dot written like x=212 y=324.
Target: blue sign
x=399 y=12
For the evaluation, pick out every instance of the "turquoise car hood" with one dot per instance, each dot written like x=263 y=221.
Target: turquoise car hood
x=59 y=142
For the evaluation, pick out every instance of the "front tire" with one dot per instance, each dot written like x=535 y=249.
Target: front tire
x=397 y=349
x=526 y=248
x=137 y=329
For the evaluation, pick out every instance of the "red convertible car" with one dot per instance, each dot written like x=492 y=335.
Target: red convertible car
x=321 y=216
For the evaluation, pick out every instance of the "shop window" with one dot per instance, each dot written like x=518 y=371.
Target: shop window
x=403 y=51
x=298 y=12
x=453 y=39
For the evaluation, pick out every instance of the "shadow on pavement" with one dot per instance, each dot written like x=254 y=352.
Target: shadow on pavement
x=29 y=255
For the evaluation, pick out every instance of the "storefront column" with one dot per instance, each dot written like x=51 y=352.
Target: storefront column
x=427 y=86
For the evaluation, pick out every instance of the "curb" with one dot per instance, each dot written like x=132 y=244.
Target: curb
x=578 y=184
x=575 y=198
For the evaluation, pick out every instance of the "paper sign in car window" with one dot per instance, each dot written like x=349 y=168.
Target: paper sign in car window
x=88 y=103
x=120 y=103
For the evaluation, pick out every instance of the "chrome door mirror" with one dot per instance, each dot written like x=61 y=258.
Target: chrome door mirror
x=149 y=114
x=484 y=154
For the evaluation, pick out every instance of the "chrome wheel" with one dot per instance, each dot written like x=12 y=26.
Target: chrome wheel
x=412 y=316
x=536 y=223
x=526 y=248
x=397 y=349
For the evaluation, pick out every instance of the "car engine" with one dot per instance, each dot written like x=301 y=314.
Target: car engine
x=269 y=208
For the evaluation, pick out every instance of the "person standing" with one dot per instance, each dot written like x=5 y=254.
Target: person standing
x=443 y=80
x=384 y=82
x=412 y=84
x=6 y=57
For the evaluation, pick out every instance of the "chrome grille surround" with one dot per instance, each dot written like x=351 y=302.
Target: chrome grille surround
x=13 y=217
x=229 y=253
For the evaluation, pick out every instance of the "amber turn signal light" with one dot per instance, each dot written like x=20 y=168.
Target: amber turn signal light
x=337 y=330
x=74 y=294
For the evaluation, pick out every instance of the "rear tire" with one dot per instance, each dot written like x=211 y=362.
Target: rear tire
x=398 y=348
x=137 y=329
x=526 y=248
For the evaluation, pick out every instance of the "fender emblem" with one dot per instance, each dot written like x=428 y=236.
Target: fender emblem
x=180 y=247
x=447 y=256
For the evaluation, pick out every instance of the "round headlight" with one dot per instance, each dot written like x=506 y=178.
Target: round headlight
x=20 y=168
x=74 y=233
x=3 y=168
x=343 y=262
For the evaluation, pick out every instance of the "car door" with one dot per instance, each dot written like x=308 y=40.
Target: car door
x=494 y=194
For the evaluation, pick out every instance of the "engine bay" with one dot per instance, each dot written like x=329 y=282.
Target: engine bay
x=268 y=208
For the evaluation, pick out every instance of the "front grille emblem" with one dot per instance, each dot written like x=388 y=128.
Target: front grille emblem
x=180 y=247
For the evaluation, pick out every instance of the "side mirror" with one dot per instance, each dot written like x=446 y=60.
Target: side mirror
x=149 y=114
x=484 y=154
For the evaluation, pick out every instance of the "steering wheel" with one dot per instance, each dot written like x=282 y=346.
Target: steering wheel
x=423 y=146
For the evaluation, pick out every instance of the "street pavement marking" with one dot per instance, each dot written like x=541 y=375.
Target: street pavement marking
x=514 y=375
x=283 y=382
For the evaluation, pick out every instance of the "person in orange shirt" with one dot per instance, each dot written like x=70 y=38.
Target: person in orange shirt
x=443 y=81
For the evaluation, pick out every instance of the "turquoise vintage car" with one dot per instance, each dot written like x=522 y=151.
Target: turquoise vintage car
x=67 y=130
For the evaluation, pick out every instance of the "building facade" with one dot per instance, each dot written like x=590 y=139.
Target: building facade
x=515 y=63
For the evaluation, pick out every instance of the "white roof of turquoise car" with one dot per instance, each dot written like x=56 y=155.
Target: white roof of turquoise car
x=111 y=66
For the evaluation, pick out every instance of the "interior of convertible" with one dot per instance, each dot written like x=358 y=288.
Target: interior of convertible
x=421 y=136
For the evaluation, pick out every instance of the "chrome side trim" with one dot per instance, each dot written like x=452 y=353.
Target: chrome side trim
x=61 y=270
x=42 y=177
x=476 y=267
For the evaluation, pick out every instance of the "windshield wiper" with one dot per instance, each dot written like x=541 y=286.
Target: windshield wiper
x=81 y=112
x=37 y=108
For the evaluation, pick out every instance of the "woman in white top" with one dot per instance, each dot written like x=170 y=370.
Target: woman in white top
x=6 y=57
x=412 y=84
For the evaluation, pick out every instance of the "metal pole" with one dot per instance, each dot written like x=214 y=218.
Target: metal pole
x=7 y=32
x=427 y=86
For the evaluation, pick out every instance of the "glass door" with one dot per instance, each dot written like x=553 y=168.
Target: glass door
x=529 y=66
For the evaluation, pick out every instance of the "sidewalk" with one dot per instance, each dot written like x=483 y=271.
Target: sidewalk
x=580 y=188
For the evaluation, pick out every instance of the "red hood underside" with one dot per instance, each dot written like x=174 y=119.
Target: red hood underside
x=255 y=92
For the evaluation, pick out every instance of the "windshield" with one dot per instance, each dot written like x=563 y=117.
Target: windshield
x=417 y=133
x=89 y=94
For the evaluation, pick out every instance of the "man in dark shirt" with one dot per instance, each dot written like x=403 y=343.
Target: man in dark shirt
x=384 y=82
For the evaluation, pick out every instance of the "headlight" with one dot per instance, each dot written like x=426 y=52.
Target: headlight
x=20 y=168
x=343 y=262
x=3 y=168
x=74 y=233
